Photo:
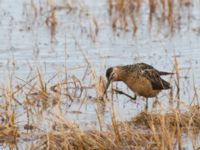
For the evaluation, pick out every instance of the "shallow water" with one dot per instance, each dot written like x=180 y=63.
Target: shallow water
x=26 y=44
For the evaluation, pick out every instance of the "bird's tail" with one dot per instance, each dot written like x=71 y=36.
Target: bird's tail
x=162 y=73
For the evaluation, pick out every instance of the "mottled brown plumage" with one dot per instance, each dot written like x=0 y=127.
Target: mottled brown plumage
x=143 y=79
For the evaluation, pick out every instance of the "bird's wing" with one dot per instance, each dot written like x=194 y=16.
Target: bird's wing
x=145 y=66
x=156 y=81
x=138 y=67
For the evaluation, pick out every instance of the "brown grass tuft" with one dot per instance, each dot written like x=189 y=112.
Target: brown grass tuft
x=127 y=14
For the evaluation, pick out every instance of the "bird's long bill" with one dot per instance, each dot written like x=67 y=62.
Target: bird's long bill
x=107 y=85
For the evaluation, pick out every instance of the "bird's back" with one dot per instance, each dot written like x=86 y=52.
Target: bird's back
x=145 y=79
x=140 y=67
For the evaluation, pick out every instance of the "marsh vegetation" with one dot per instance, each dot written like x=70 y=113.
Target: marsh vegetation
x=54 y=55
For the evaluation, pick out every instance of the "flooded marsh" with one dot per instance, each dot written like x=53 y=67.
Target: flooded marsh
x=54 y=57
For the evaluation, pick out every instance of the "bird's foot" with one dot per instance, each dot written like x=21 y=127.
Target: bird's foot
x=121 y=92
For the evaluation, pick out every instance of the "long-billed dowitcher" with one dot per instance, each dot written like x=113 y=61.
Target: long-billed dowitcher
x=143 y=79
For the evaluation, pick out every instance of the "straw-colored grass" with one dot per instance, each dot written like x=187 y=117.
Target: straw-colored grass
x=127 y=14
x=156 y=129
x=148 y=130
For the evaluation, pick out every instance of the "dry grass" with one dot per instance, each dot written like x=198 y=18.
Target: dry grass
x=152 y=130
x=78 y=10
x=48 y=13
x=147 y=130
x=127 y=14
x=67 y=136
x=158 y=129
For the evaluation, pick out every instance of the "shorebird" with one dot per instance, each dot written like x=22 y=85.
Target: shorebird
x=143 y=79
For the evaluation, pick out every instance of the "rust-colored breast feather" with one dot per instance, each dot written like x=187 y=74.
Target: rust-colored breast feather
x=141 y=86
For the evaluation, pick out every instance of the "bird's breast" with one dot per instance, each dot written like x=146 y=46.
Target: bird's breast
x=141 y=86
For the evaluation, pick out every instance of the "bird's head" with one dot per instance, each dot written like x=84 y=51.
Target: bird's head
x=111 y=75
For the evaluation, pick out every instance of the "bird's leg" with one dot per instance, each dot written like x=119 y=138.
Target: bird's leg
x=146 y=107
x=156 y=102
x=121 y=92
x=135 y=97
